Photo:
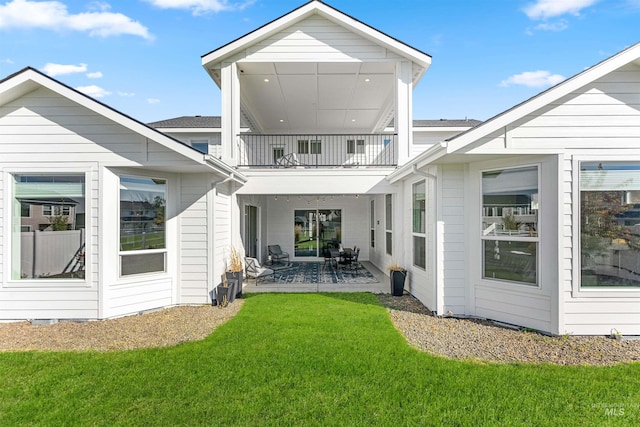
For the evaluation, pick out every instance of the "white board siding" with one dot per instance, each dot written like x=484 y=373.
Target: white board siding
x=194 y=231
x=316 y=39
x=46 y=131
x=452 y=262
x=520 y=308
x=143 y=295
x=586 y=313
x=221 y=231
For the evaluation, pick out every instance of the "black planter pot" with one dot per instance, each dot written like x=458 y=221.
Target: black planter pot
x=237 y=277
x=227 y=293
x=397 y=278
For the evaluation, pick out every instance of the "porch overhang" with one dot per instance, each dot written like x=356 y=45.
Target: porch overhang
x=322 y=182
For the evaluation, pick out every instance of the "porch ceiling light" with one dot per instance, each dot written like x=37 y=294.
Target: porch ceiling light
x=281 y=120
x=367 y=80
x=353 y=120
x=266 y=80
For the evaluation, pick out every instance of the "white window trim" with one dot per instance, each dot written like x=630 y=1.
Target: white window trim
x=509 y=283
x=417 y=234
x=577 y=290
x=85 y=169
x=164 y=250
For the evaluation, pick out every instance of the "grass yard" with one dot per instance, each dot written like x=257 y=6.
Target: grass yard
x=307 y=359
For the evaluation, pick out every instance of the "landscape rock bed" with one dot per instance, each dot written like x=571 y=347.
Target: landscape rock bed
x=483 y=340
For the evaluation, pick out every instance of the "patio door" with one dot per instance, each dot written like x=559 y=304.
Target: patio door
x=251 y=231
x=315 y=230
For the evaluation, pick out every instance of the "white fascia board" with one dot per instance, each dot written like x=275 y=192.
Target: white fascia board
x=321 y=9
x=545 y=98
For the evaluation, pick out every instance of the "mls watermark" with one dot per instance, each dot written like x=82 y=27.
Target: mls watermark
x=616 y=409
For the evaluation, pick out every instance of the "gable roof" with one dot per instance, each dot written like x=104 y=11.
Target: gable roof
x=29 y=79
x=317 y=7
x=530 y=106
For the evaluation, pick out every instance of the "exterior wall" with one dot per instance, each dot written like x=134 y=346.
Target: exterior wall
x=222 y=234
x=452 y=241
x=195 y=233
x=316 y=39
x=43 y=132
x=355 y=220
x=423 y=139
x=421 y=282
x=533 y=306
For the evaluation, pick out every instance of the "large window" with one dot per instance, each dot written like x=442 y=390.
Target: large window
x=510 y=225
x=419 y=224
x=48 y=236
x=610 y=224
x=142 y=225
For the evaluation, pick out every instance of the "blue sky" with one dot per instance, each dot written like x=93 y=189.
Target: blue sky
x=142 y=57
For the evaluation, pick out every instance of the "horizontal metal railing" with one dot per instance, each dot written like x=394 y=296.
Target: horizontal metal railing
x=316 y=150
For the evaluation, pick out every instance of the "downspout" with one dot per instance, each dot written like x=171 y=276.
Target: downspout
x=434 y=178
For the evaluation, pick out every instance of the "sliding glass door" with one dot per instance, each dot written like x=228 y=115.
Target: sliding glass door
x=315 y=230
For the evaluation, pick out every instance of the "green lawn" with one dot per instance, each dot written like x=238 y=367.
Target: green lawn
x=306 y=359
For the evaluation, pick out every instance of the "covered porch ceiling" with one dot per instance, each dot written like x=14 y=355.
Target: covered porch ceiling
x=322 y=97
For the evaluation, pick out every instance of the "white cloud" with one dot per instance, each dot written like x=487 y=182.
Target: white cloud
x=53 y=15
x=53 y=70
x=153 y=101
x=95 y=75
x=6 y=61
x=94 y=91
x=199 y=7
x=557 y=26
x=126 y=94
x=536 y=79
x=544 y=9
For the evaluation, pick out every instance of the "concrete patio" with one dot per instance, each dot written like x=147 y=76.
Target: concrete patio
x=381 y=287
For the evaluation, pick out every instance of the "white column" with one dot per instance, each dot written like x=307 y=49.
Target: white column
x=230 y=95
x=404 y=110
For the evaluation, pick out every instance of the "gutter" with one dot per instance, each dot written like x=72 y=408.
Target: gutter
x=433 y=153
x=224 y=169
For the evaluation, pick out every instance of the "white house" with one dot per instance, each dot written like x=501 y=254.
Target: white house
x=529 y=218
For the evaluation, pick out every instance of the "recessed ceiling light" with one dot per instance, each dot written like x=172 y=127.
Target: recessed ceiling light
x=266 y=80
x=353 y=120
x=367 y=80
x=281 y=120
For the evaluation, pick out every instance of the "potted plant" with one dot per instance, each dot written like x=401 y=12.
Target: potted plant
x=397 y=276
x=234 y=272
x=225 y=293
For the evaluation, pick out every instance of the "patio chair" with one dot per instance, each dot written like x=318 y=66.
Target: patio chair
x=276 y=254
x=289 y=161
x=255 y=270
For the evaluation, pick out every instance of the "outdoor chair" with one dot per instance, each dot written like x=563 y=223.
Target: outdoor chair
x=289 y=161
x=277 y=255
x=255 y=270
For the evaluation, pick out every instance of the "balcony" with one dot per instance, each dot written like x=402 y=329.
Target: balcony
x=316 y=151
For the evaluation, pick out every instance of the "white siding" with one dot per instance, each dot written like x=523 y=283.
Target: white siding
x=222 y=230
x=194 y=239
x=316 y=39
x=44 y=132
x=452 y=261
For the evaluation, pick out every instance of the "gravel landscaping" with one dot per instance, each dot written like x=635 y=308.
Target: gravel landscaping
x=466 y=339
x=483 y=340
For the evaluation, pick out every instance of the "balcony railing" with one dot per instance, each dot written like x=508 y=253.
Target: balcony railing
x=316 y=151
